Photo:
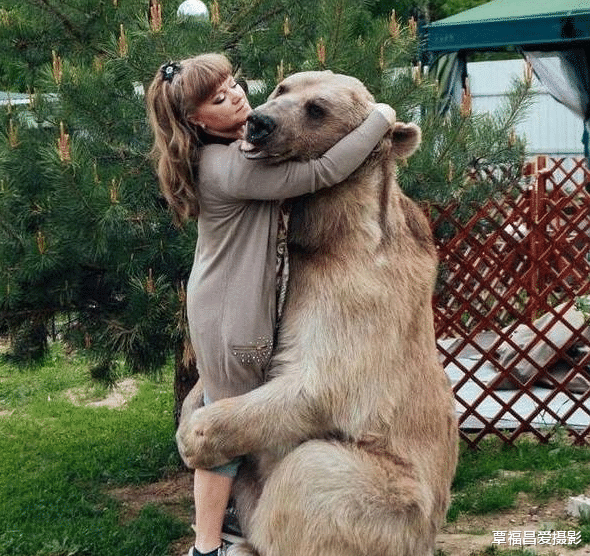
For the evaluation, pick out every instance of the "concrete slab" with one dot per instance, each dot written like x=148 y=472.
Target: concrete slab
x=519 y=404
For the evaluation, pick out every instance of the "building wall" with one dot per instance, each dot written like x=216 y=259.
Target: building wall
x=549 y=127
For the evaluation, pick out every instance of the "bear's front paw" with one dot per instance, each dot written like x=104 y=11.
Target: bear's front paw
x=203 y=440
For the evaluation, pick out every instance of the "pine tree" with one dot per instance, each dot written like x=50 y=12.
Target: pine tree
x=85 y=237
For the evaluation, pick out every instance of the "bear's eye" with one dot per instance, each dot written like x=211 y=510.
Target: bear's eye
x=315 y=111
x=281 y=90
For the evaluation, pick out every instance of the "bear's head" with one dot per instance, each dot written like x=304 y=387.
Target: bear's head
x=309 y=112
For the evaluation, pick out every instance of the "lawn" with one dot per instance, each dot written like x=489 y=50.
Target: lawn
x=517 y=491
x=493 y=478
x=64 y=456
x=59 y=458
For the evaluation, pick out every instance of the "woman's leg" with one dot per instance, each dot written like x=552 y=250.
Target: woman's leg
x=211 y=491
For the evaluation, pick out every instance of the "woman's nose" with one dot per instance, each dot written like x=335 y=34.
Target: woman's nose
x=237 y=94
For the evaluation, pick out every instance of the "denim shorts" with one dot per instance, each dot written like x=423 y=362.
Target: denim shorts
x=229 y=469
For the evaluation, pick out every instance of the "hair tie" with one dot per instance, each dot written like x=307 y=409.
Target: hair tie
x=169 y=70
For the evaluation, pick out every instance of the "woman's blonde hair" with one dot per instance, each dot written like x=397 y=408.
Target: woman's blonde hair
x=176 y=91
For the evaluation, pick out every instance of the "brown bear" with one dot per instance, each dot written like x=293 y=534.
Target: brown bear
x=352 y=443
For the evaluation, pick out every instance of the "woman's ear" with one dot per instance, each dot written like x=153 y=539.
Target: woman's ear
x=192 y=119
x=406 y=139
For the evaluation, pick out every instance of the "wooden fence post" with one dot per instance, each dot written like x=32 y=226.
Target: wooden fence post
x=537 y=236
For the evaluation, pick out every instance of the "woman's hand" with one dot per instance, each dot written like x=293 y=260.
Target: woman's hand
x=387 y=111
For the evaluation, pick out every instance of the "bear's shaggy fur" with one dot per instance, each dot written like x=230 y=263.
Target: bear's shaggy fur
x=352 y=442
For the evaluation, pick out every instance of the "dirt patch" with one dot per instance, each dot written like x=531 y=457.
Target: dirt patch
x=173 y=495
x=117 y=397
x=4 y=344
x=471 y=535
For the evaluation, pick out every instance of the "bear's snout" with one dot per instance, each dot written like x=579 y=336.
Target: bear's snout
x=259 y=128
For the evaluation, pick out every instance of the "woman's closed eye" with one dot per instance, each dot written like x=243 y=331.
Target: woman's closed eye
x=222 y=96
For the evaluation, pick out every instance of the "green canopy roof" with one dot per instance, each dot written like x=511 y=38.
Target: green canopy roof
x=511 y=22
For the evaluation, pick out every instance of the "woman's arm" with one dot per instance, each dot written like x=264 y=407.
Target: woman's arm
x=243 y=178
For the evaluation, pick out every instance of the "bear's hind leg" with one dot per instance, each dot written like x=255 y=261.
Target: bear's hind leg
x=332 y=499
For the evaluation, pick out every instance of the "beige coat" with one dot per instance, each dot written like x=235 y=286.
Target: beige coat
x=231 y=290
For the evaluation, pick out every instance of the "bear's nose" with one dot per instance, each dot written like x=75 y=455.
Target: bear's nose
x=259 y=128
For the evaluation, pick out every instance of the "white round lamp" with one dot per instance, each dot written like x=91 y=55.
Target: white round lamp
x=193 y=9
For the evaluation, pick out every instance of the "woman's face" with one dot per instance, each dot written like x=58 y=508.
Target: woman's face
x=224 y=113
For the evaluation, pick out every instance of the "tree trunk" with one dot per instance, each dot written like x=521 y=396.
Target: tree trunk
x=185 y=375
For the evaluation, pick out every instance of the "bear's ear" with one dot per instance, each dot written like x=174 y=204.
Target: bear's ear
x=406 y=139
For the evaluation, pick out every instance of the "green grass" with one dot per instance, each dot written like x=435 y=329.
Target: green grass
x=58 y=460
x=491 y=479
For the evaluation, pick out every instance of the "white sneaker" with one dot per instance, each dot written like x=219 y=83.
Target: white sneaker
x=221 y=551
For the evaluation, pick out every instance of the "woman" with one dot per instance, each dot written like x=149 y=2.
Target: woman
x=234 y=296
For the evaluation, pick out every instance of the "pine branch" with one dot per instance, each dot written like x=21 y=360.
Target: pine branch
x=10 y=232
x=44 y=4
x=239 y=20
x=452 y=141
x=239 y=35
x=337 y=29
x=519 y=101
